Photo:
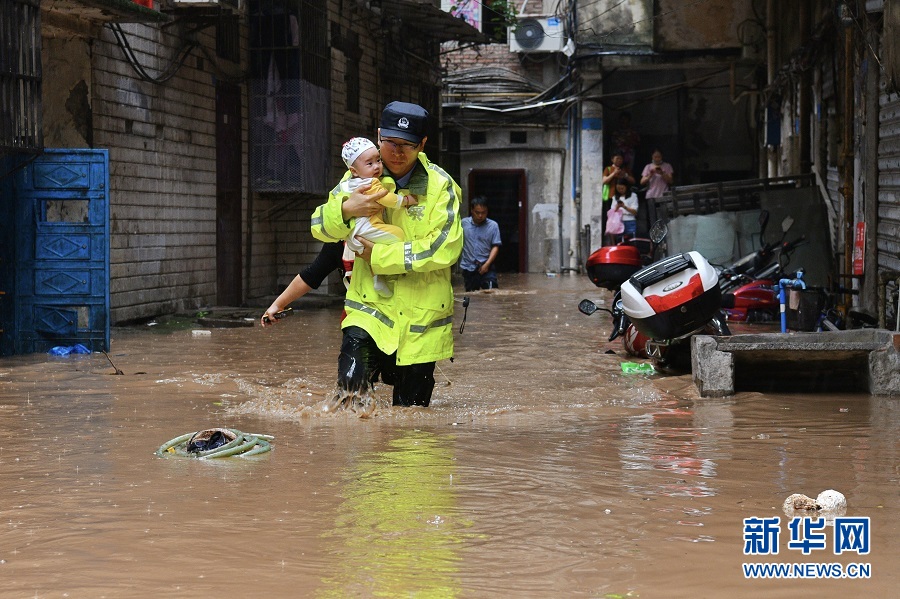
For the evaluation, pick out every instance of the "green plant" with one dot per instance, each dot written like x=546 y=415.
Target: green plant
x=496 y=16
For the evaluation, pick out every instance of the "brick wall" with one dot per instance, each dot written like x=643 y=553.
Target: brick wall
x=161 y=141
x=489 y=55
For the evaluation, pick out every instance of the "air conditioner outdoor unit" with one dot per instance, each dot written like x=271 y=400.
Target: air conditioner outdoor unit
x=537 y=34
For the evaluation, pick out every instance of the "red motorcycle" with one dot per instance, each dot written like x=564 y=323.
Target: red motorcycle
x=750 y=285
x=658 y=307
x=609 y=267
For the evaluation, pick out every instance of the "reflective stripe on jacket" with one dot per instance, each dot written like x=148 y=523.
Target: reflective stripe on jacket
x=417 y=320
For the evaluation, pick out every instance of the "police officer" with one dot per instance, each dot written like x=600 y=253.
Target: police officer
x=402 y=336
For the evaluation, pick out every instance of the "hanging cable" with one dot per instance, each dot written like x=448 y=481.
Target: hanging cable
x=167 y=73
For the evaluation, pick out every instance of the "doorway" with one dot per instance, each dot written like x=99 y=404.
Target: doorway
x=507 y=201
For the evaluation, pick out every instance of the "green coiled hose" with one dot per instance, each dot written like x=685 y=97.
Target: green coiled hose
x=243 y=445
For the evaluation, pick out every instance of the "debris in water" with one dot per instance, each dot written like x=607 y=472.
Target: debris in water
x=798 y=501
x=65 y=350
x=829 y=503
x=216 y=443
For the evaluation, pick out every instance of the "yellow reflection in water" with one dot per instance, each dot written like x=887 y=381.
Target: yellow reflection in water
x=398 y=528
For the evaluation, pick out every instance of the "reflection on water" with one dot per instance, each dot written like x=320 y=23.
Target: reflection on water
x=540 y=470
x=398 y=530
x=667 y=440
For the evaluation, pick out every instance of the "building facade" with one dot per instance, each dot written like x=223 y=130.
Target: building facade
x=728 y=90
x=222 y=121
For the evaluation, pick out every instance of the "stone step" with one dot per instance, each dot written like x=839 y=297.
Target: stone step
x=860 y=360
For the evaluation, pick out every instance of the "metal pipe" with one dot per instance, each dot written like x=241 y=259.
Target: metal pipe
x=770 y=72
x=575 y=218
x=847 y=152
x=803 y=95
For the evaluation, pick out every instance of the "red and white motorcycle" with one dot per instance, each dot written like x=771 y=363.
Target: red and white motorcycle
x=658 y=307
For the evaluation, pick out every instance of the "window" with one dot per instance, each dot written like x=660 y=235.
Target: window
x=228 y=41
x=290 y=99
x=20 y=78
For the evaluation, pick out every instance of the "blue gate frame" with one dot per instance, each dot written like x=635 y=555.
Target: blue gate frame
x=62 y=251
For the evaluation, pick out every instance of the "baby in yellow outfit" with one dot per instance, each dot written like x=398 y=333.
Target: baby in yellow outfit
x=364 y=161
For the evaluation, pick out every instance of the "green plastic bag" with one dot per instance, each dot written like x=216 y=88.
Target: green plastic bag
x=639 y=368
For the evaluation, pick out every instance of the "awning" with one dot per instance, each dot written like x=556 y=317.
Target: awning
x=105 y=11
x=432 y=21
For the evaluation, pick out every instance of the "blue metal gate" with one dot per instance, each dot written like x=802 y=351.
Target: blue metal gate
x=62 y=251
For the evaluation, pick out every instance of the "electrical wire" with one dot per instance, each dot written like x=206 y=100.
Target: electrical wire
x=868 y=44
x=564 y=92
x=170 y=71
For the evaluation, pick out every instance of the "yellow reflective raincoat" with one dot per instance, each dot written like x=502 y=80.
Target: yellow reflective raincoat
x=417 y=320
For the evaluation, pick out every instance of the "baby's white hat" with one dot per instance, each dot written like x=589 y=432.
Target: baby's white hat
x=353 y=148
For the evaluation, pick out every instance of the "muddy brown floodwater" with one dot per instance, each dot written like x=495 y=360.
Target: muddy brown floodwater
x=540 y=470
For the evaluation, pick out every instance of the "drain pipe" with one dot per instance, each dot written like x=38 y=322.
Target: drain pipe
x=847 y=140
x=770 y=74
x=804 y=96
x=575 y=123
x=575 y=218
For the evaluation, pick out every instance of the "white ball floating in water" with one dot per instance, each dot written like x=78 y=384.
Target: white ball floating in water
x=831 y=500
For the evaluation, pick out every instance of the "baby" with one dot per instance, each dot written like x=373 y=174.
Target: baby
x=364 y=161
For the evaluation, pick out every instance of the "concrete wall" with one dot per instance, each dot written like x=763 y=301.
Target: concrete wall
x=714 y=24
x=544 y=162
x=68 y=117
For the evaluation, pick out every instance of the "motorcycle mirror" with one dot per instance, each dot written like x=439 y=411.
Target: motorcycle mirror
x=658 y=231
x=587 y=307
x=786 y=224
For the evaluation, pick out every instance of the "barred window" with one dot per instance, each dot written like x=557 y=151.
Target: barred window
x=20 y=77
x=290 y=98
x=228 y=38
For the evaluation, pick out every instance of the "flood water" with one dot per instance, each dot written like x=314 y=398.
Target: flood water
x=540 y=470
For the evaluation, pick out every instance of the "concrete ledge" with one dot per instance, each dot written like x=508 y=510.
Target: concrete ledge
x=860 y=360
